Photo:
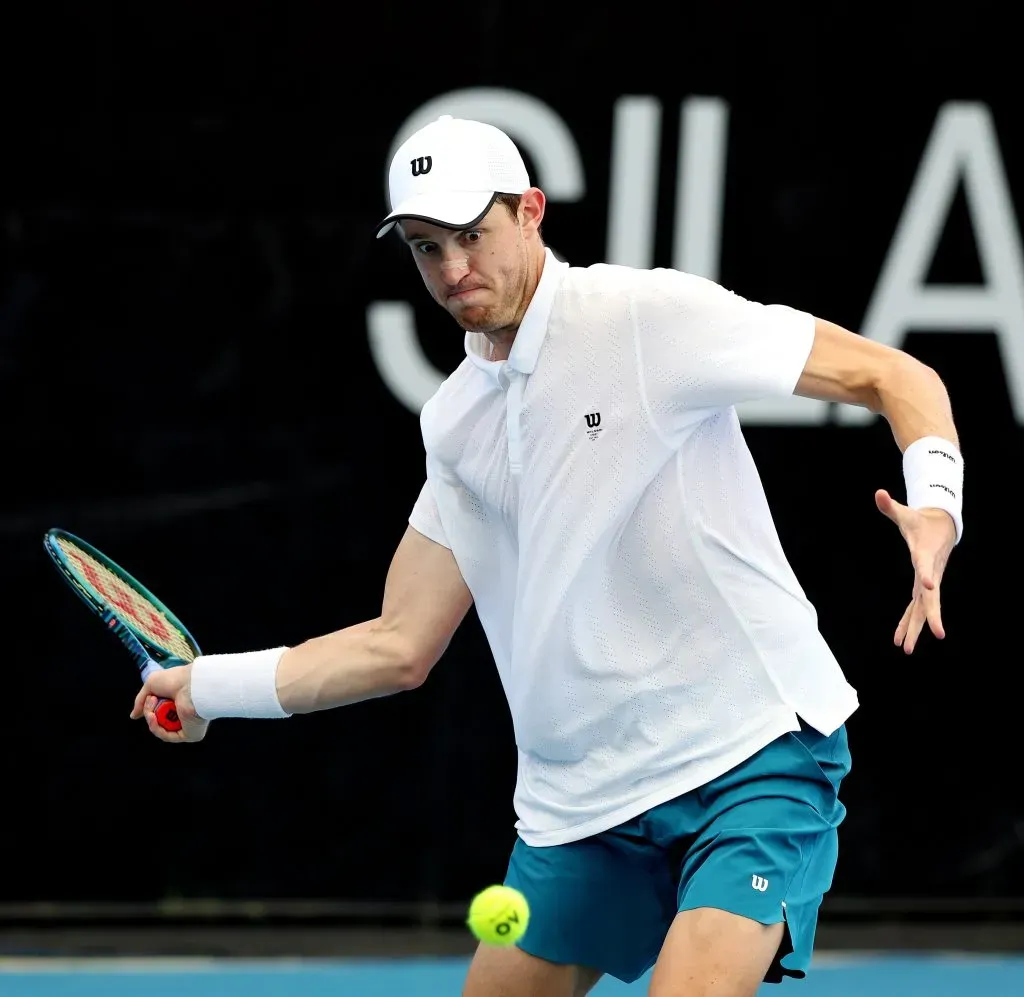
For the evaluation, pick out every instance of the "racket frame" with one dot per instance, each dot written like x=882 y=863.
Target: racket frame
x=136 y=640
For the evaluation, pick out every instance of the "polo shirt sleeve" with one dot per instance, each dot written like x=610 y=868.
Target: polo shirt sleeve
x=704 y=347
x=425 y=517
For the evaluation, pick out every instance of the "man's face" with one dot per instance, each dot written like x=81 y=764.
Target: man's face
x=478 y=275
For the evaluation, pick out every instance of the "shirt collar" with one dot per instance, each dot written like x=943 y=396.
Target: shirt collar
x=530 y=335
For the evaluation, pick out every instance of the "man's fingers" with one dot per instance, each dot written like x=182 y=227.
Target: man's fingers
x=933 y=612
x=901 y=629
x=157 y=730
x=153 y=724
x=926 y=609
x=140 y=702
x=914 y=627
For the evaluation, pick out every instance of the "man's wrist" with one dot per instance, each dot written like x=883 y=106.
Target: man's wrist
x=237 y=685
x=934 y=474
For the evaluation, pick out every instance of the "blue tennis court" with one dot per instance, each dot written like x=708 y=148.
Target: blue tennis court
x=947 y=975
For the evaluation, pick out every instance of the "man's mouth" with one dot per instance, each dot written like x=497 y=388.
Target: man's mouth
x=455 y=292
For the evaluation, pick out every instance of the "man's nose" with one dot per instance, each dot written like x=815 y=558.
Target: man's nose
x=454 y=268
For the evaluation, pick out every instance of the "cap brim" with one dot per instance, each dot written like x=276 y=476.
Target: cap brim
x=456 y=210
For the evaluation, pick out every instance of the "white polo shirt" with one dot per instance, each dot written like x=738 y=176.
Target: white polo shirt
x=597 y=494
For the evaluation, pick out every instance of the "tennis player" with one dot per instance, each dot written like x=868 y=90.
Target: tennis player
x=679 y=719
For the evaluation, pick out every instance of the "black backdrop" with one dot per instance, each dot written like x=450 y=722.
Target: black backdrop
x=187 y=262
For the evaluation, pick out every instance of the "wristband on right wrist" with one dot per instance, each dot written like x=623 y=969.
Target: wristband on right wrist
x=237 y=685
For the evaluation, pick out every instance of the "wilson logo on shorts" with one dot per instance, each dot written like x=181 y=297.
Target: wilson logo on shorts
x=759 y=883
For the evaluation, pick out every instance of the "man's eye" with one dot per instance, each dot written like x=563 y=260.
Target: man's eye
x=425 y=248
x=474 y=236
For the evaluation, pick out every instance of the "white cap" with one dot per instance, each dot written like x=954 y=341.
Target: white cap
x=450 y=171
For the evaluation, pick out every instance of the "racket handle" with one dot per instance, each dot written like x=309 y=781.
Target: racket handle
x=166 y=714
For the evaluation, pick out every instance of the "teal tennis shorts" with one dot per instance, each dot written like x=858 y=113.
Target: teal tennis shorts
x=760 y=841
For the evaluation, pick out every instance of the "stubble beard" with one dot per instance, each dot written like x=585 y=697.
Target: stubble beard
x=499 y=317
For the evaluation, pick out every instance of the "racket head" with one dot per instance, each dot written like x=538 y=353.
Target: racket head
x=106 y=588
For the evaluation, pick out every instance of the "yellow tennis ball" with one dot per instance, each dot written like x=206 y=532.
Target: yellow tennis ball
x=498 y=915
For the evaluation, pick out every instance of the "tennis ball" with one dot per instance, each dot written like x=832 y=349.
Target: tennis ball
x=498 y=915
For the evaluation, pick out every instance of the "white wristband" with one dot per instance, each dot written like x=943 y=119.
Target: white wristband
x=237 y=685
x=933 y=470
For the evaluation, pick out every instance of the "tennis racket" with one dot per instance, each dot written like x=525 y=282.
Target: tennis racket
x=153 y=635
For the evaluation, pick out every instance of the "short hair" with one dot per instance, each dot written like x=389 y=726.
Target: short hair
x=511 y=203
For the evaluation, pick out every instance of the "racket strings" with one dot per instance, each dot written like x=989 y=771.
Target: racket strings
x=130 y=604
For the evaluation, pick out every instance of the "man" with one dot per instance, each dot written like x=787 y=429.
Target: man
x=679 y=719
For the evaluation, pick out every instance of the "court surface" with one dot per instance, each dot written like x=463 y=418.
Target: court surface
x=946 y=975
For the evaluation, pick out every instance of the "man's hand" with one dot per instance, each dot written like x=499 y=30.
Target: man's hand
x=930 y=536
x=174 y=684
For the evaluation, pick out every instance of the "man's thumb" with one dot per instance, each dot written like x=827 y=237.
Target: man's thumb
x=888 y=506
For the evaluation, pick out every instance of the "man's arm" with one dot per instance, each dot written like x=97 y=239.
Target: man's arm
x=425 y=600
x=845 y=367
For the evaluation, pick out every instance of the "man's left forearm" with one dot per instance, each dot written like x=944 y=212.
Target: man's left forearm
x=915 y=403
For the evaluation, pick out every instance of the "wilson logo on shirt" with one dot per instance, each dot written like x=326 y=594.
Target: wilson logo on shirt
x=593 y=420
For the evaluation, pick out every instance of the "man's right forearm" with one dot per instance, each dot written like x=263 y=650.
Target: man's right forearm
x=361 y=662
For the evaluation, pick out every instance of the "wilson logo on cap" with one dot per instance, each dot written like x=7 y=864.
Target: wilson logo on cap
x=421 y=165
